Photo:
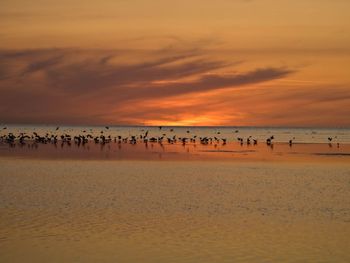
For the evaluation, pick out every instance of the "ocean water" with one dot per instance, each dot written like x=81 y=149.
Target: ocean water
x=298 y=135
x=161 y=202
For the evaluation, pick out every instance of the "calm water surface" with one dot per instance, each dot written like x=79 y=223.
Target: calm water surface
x=176 y=203
x=299 y=135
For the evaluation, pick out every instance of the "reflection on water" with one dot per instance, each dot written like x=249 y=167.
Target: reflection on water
x=138 y=211
x=193 y=200
x=283 y=135
x=232 y=151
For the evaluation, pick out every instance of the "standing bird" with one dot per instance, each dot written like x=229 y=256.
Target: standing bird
x=268 y=141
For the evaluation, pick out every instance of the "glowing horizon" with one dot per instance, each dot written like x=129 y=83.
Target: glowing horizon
x=228 y=63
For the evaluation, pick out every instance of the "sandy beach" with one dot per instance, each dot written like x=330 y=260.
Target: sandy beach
x=177 y=210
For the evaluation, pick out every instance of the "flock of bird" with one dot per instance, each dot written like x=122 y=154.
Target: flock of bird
x=144 y=137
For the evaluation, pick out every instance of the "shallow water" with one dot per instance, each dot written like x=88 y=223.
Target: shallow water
x=183 y=211
x=299 y=135
x=215 y=151
x=164 y=202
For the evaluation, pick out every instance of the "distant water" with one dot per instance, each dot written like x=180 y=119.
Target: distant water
x=281 y=134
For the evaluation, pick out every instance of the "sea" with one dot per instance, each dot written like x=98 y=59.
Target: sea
x=230 y=133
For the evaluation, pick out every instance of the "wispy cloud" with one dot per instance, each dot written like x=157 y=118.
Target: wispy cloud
x=169 y=85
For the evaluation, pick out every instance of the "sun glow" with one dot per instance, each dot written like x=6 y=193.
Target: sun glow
x=191 y=120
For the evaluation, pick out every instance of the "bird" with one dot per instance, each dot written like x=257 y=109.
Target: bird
x=268 y=141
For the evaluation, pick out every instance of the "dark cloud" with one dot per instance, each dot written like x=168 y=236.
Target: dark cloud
x=216 y=81
x=94 y=76
x=43 y=64
x=83 y=86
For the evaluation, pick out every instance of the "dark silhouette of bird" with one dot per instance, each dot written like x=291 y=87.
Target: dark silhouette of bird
x=268 y=141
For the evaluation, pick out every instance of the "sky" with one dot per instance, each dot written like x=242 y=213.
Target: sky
x=162 y=62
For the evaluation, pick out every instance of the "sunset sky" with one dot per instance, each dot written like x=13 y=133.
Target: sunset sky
x=160 y=62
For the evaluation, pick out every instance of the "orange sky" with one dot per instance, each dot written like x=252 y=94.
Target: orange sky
x=160 y=62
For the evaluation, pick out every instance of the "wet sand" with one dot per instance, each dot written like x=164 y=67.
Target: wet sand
x=218 y=204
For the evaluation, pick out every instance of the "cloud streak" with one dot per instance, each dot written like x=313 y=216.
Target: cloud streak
x=75 y=86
